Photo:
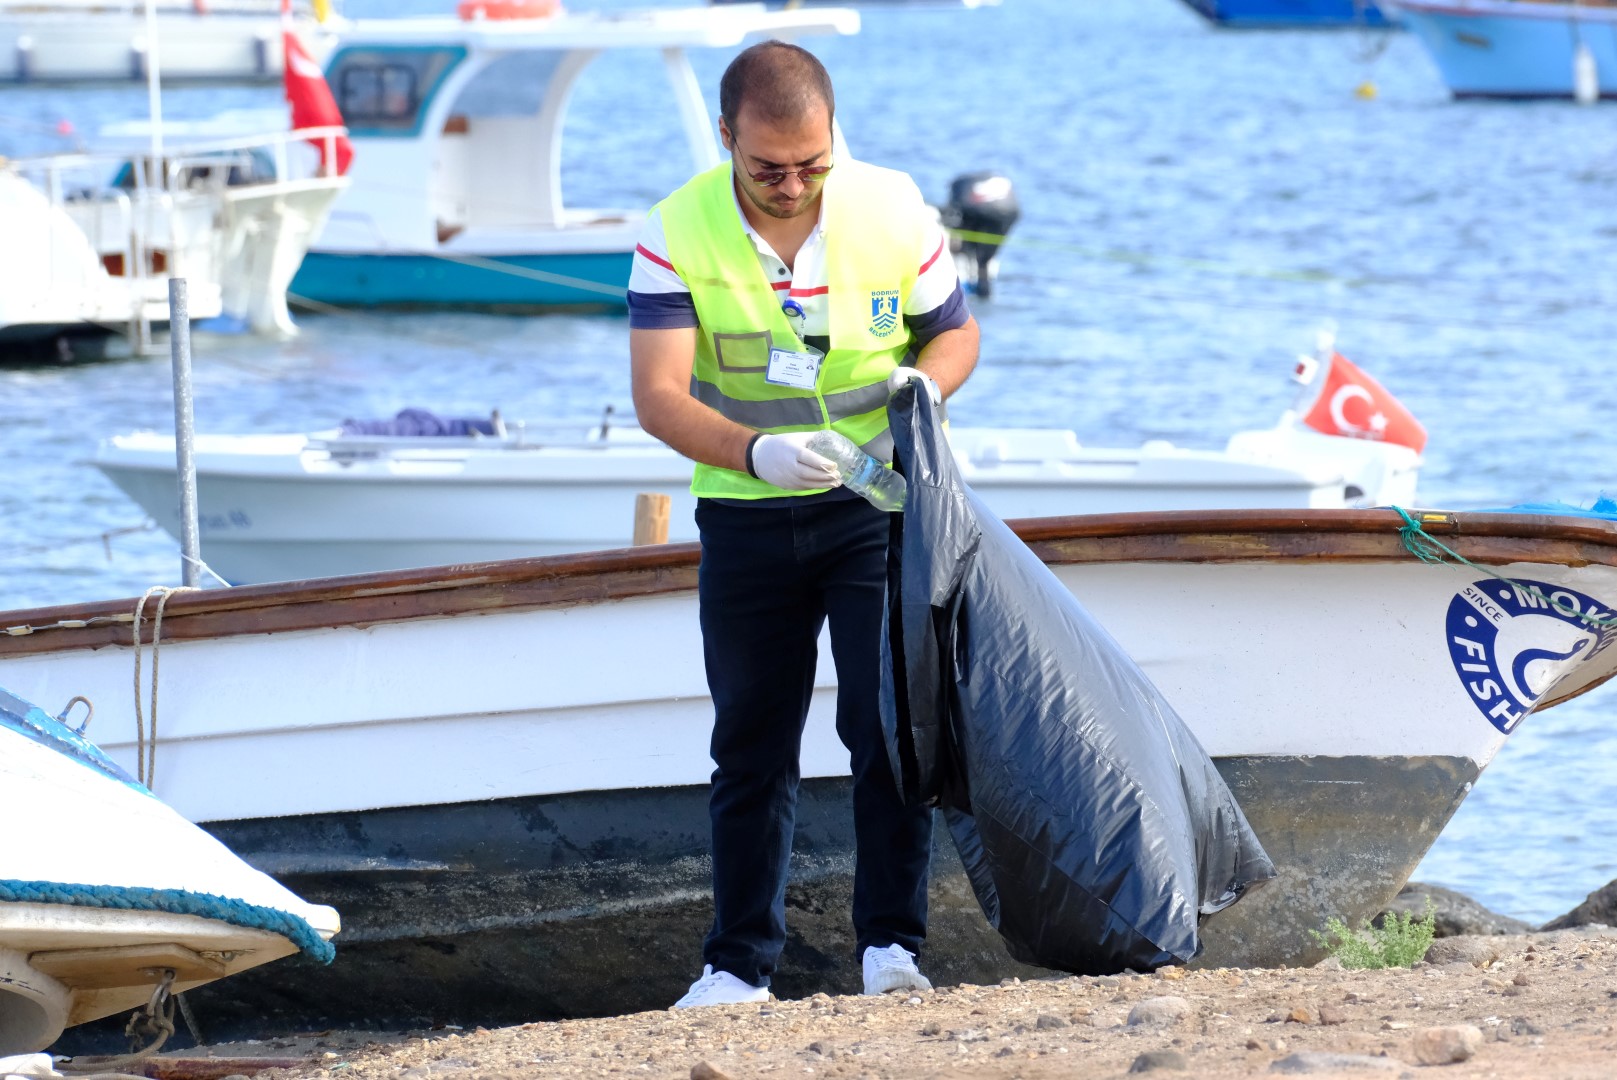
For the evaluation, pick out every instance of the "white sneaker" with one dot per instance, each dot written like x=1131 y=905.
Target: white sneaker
x=892 y=968
x=721 y=988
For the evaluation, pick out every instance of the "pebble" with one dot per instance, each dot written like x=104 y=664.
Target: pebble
x=1160 y=1061
x=1299 y=1014
x=706 y=1070
x=1330 y=1015
x=1159 y=1011
x=1316 y=1061
x=1477 y=952
x=1046 y=1022
x=1446 y=1045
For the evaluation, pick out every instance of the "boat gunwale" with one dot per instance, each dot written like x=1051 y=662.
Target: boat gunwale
x=1195 y=536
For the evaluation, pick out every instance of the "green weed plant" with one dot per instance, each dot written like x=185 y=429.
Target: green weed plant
x=1400 y=941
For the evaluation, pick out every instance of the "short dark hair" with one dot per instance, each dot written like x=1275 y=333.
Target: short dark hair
x=781 y=82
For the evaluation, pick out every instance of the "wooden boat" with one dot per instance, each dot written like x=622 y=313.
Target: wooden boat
x=103 y=889
x=499 y=770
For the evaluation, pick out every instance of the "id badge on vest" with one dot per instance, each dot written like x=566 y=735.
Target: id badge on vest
x=799 y=368
x=796 y=368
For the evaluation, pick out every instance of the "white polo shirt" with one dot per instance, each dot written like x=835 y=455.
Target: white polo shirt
x=660 y=300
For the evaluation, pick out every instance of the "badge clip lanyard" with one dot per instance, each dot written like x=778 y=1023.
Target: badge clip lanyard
x=796 y=317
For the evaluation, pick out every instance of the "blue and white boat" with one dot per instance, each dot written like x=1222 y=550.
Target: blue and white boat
x=107 y=893
x=456 y=196
x=1518 y=49
x=1292 y=13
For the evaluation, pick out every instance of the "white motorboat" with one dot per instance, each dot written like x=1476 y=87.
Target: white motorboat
x=104 y=891
x=286 y=507
x=53 y=41
x=499 y=771
x=92 y=239
x=457 y=126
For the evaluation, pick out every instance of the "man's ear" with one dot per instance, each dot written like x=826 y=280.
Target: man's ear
x=727 y=139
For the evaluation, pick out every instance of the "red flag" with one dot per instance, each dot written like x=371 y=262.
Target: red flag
x=312 y=103
x=1353 y=404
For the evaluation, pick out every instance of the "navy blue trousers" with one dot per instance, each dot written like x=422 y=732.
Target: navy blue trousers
x=770 y=579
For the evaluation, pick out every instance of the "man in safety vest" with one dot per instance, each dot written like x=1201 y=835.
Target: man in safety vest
x=772 y=297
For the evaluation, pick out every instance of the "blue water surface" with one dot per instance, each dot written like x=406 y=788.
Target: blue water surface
x=1197 y=204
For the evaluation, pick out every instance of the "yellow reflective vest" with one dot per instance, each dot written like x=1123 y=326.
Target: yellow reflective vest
x=873 y=225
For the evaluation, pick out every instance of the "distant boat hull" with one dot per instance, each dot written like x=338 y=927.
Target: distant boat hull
x=499 y=770
x=1508 y=49
x=506 y=282
x=1292 y=13
x=290 y=507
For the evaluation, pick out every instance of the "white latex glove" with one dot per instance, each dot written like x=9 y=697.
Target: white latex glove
x=786 y=462
x=903 y=374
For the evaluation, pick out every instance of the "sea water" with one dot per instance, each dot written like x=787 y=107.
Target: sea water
x=1196 y=205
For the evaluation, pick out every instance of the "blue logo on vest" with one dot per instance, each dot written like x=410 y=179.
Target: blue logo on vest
x=1512 y=643
x=883 y=312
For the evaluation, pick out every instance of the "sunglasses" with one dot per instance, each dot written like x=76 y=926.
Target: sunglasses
x=771 y=177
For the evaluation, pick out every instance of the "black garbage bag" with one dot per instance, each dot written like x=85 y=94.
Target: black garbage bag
x=1094 y=828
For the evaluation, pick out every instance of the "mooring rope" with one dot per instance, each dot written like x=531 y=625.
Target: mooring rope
x=1429 y=549
x=146 y=753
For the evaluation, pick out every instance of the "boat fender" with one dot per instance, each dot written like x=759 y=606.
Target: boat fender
x=1585 y=75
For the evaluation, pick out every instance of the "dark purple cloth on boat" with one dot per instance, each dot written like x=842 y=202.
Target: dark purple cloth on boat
x=419 y=422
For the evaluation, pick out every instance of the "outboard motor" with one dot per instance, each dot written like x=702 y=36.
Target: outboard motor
x=982 y=207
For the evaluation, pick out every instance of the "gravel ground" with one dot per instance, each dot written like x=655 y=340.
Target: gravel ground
x=1530 y=1005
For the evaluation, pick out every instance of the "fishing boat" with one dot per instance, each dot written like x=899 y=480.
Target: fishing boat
x=1304 y=14
x=1519 y=48
x=499 y=771
x=93 y=238
x=286 y=507
x=457 y=126
x=56 y=41
x=109 y=899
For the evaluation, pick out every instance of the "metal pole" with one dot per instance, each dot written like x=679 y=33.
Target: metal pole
x=179 y=340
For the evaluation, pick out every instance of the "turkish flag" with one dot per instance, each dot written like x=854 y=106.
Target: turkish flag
x=306 y=89
x=1352 y=404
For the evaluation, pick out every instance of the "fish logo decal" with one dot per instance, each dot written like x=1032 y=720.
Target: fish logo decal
x=884 y=312
x=1512 y=642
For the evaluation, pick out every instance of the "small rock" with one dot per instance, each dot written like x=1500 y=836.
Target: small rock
x=1170 y=972
x=1105 y=1019
x=1277 y=1045
x=1046 y=1022
x=1254 y=1044
x=706 y=1070
x=1159 y=1011
x=1521 y=979
x=1330 y=1015
x=1523 y=1026
x=823 y=1047
x=1445 y=1045
x=1299 y=1014
x=1006 y=1051
x=932 y=1029
x=1478 y=952
x=1315 y=1061
x=1160 y=1061
x=1330 y=963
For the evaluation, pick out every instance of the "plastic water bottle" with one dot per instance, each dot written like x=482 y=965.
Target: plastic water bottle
x=881 y=486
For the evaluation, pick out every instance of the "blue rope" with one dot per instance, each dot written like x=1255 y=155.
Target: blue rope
x=175 y=902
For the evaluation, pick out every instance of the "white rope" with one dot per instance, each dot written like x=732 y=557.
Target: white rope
x=146 y=753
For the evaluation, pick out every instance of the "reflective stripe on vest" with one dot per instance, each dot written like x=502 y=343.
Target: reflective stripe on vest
x=872 y=219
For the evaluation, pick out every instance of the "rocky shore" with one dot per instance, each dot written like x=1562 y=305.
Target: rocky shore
x=1493 y=1000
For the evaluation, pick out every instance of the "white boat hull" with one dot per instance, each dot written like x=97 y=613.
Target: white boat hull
x=90 y=916
x=294 y=507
